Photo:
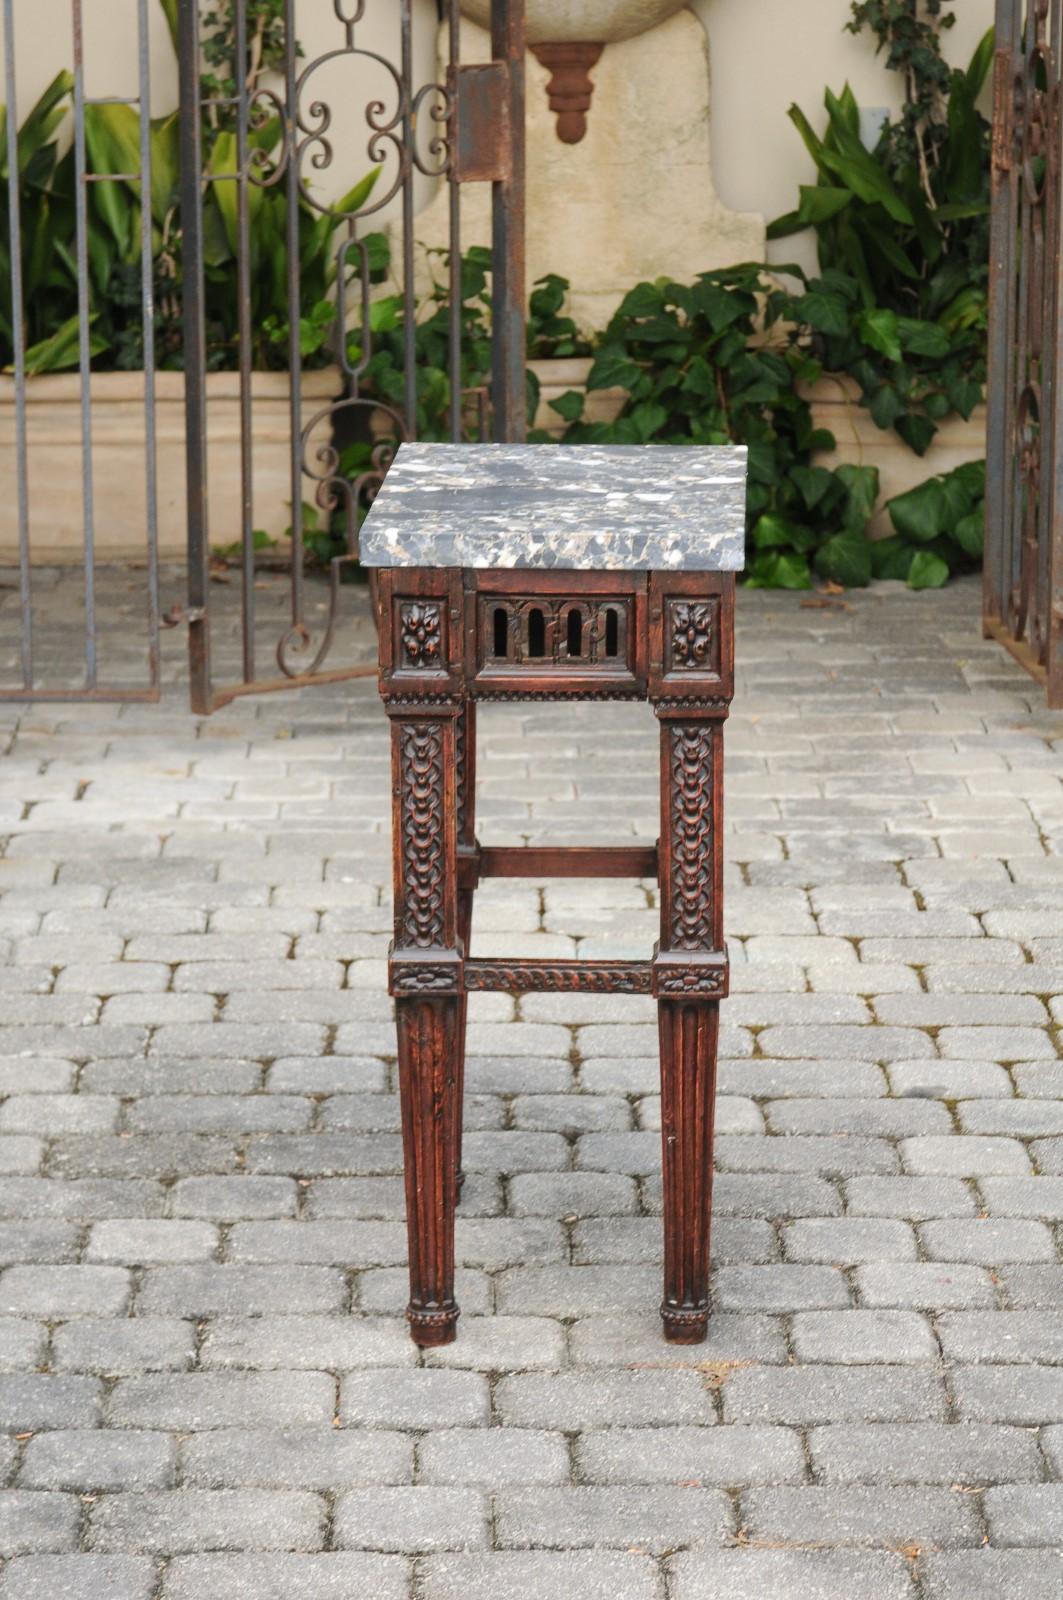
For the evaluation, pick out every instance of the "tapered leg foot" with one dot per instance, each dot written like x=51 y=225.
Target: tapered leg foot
x=688 y=1033
x=428 y=1090
x=432 y=1328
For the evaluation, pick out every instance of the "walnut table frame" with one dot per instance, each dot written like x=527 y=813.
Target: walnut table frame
x=453 y=635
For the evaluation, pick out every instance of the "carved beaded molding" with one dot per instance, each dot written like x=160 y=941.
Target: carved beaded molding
x=690 y=755
x=513 y=976
x=422 y=822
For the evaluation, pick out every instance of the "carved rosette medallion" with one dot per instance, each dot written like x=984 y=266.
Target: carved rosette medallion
x=421 y=628
x=693 y=633
x=421 y=756
x=690 y=754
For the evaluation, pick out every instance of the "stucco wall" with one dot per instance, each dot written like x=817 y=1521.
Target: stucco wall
x=767 y=54
x=764 y=55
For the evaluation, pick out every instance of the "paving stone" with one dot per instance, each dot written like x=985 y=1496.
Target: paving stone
x=655 y=1518
x=32 y=1400
x=493 y=1458
x=923 y=1453
x=192 y=1400
x=1032 y=1286
x=805 y=1395
x=98 y=1459
x=949 y=1080
x=1025 y=1514
x=22 y=1343
x=577 y=1400
x=773 y=1195
x=779 y=1288
x=772 y=1080
x=181 y=1521
x=32 y=1520
x=208 y=1290
x=992 y=1575
x=288 y=1343
x=230 y=1199
x=79 y=1577
x=136 y=1242
x=332 y=1576
x=634 y=1339
x=324 y=1458
x=416 y=1520
x=541 y=1575
x=19 y=1153
x=714 y=1456
x=1001 y=1336
x=38 y=1242
x=863 y=1338
x=890 y=1119
x=848 y=1241
x=916 y=1199
x=964 y=1156
x=1024 y=1394
x=572 y=1194
x=417 y=1398
x=986 y=1241
x=124 y=1346
x=925 y=1286
x=996 y=1044
x=784 y=1574
x=842 y=1155
x=861 y=1515
x=880 y=1044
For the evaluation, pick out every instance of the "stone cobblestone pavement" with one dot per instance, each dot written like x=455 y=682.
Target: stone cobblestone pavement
x=207 y=1387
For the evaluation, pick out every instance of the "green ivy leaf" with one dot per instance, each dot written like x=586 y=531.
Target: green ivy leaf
x=827 y=313
x=613 y=369
x=569 y=405
x=779 y=570
x=879 y=329
x=969 y=533
x=776 y=532
x=927 y=571
x=922 y=513
x=846 y=559
x=891 y=558
x=917 y=431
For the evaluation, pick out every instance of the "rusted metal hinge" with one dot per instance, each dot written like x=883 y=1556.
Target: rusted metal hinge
x=1003 y=112
x=178 y=614
x=482 y=125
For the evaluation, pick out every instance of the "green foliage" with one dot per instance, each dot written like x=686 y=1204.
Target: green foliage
x=713 y=362
x=938 y=529
x=114 y=239
x=902 y=232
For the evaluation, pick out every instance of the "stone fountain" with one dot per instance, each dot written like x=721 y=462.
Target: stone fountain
x=567 y=38
x=625 y=192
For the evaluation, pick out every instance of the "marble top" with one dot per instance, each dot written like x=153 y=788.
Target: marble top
x=596 y=507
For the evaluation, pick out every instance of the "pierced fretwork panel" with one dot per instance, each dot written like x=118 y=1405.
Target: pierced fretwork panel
x=544 y=631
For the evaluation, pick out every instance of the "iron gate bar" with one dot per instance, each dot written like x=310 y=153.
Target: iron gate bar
x=92 y=690
x=1023 y=575
x=394 y=133
x=18 y=340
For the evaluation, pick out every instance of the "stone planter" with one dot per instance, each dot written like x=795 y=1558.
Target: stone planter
x=570 y=372
x=835 y=402
x=53 y=426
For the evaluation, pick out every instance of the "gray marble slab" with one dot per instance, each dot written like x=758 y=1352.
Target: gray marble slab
x=592 y=507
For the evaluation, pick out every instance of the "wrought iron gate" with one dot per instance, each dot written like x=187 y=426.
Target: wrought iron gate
x=275 y=277
x=281 y=143
x=1023 y=585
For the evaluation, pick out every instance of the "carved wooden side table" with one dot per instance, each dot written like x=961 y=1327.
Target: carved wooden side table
x=538 y=572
